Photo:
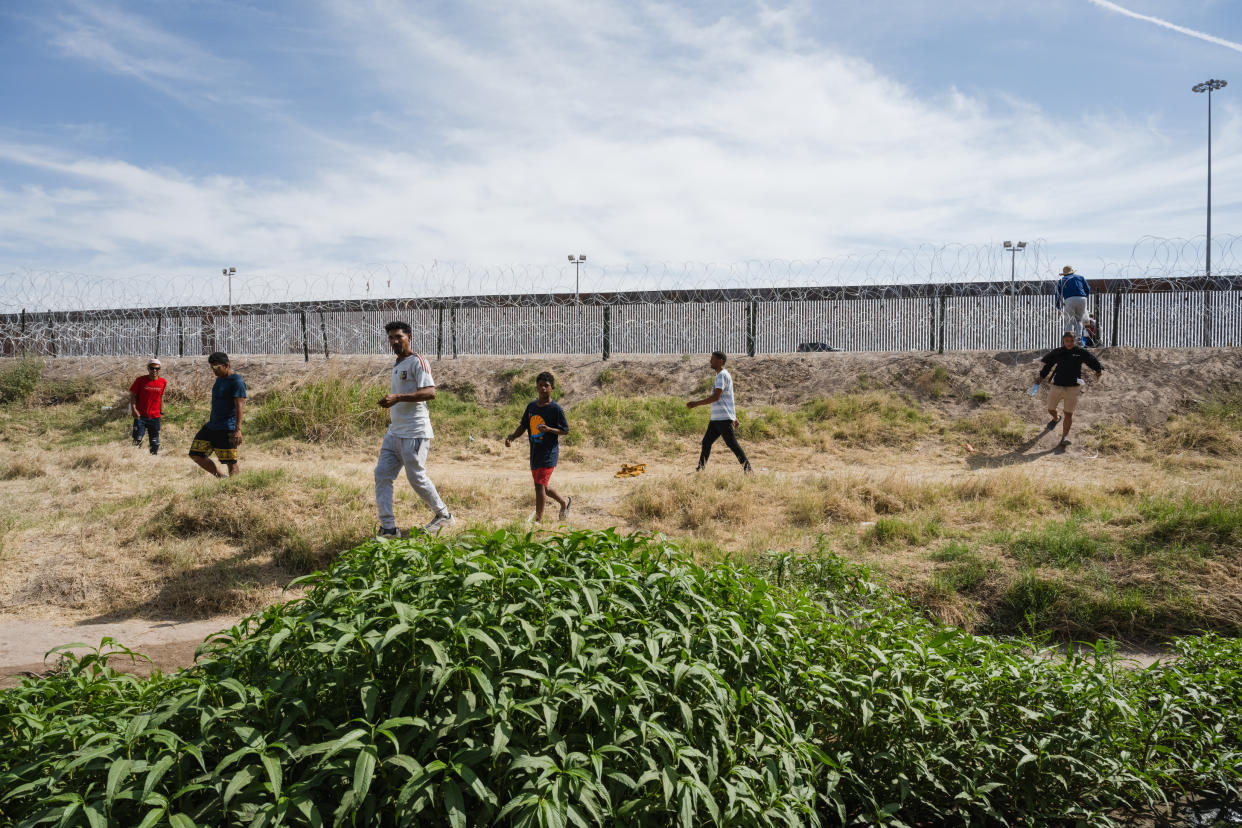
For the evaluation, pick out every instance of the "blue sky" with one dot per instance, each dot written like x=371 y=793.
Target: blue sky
x=334 y=141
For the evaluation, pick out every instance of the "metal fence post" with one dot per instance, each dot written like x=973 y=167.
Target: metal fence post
x=159 y=329
x=440 y=335
x=931 y=346
x=607 y=331
x=51 y=329
x=323 y=330
x=751 y=315
x=1207 y=316
x=305 y=340
x=1117 y=298
x=453 y=329
x=940 y=327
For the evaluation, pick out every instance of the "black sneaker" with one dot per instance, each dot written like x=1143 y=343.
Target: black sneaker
x=746 y=469
x=387 y=534
x=1052 y=423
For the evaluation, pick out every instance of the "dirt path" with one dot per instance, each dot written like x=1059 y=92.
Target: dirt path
x=169 y=644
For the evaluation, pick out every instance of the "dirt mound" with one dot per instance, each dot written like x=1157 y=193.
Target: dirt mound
x=1140 y=387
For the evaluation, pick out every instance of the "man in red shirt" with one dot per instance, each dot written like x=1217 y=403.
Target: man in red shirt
x=146 y=396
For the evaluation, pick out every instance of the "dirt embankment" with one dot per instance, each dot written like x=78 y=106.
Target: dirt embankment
x=1140 y=386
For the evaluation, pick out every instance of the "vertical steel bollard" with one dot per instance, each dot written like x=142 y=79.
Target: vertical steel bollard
x=940 y=327
x=751 y=321
x=305 y=340
x=1117 y=298
x=159 y=329
x=607 y=331
x=440 y=335
x=1207 y=316
x=323 y=330
x=453 y=329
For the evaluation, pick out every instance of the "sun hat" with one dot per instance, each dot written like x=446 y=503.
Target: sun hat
x=1067 y=270
x=155 y=362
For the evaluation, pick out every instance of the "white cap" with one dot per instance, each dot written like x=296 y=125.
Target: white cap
x=154 y=361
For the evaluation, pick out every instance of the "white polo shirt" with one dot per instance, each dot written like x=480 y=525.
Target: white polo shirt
x=410 y=419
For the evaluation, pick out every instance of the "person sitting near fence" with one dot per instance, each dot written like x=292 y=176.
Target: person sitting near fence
x=1090 y=333
x=1071 y=298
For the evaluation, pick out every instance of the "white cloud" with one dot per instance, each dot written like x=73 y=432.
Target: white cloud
x=635 y=133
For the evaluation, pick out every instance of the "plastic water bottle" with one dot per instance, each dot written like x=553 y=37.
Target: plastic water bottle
x=1034 y=390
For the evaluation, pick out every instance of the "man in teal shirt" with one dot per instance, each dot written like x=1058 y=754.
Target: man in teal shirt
x=222 y=433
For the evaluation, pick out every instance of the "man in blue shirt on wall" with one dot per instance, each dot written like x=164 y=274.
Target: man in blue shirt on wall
x=1072 y=293
x=222 y=432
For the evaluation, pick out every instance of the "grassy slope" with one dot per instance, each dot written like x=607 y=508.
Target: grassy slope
x=1147 y=550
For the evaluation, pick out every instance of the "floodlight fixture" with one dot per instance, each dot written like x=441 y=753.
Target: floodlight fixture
x=577 y=260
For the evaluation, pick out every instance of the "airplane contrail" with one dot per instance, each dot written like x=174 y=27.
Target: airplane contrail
x=1219 y=41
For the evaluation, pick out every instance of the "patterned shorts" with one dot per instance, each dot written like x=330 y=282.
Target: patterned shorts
x=221 y=442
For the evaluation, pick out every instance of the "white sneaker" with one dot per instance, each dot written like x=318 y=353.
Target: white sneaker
x=439 y=522
x=564 y=513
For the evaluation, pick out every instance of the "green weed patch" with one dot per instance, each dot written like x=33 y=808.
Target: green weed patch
x=18 y=379
x=593 y=678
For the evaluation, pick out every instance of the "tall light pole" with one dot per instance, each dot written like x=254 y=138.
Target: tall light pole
x=1209 y=86
x=228 y=274
x=578 y=261
x=1014 y=250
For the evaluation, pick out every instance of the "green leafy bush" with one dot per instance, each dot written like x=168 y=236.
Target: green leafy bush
x=593 y=678
x=18 y=378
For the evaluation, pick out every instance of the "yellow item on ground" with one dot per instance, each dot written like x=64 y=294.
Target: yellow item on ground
x=634 y=470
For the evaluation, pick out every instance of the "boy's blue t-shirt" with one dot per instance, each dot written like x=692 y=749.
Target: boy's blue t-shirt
x=223 y=414
x=544 y=448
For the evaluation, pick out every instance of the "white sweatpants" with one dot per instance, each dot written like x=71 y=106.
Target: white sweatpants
x=1074 y=308
x=410 y=452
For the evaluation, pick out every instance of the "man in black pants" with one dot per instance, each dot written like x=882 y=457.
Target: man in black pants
x=723 y=416
x=1066 y=363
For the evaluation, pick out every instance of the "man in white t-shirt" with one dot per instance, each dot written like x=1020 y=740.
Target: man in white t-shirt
x=409 y=434
x=723 y=416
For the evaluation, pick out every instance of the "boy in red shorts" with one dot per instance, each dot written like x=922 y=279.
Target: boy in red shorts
x=545 y=421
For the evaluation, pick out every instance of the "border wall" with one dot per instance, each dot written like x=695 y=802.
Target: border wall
x=1150 y=313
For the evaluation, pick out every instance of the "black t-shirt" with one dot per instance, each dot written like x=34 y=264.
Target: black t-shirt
x=1066 y=365
x=544 y=447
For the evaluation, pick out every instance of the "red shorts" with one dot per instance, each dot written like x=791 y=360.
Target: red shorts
x=542 y=476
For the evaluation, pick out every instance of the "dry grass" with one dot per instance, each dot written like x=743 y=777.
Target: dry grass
x=91 y=527
x=22 y=468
